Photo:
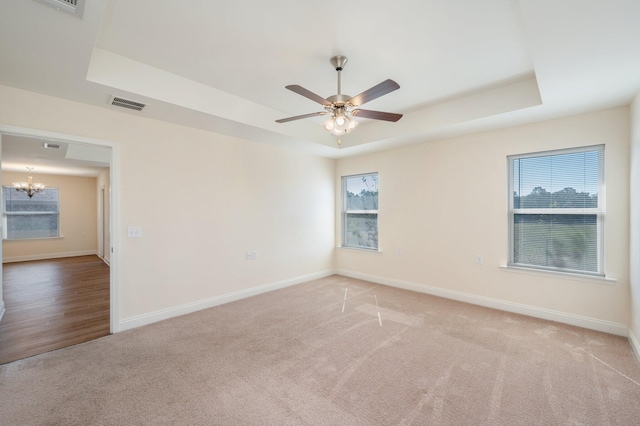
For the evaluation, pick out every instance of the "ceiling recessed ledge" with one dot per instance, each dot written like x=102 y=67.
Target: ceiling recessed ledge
x=450 y=114
x=118 y=72
x=124 y=74
x=91 y=153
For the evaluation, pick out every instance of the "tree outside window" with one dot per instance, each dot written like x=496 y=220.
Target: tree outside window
x=360 y=211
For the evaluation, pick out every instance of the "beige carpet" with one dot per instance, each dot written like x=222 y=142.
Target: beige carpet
x=293 y=357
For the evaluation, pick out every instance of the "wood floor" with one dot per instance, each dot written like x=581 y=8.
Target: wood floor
x=51 y=304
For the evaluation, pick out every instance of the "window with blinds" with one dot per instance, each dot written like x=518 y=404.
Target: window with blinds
x=556 y=210
x=27 y=218
x=360 y=211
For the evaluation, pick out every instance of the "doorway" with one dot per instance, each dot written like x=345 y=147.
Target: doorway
x=91 y=264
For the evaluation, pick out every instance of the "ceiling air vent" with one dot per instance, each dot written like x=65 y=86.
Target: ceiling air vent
x=126 y=103
x=50 y=145
x=73 y=7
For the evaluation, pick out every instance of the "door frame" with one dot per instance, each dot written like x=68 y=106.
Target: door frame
x=114 y=206
x=103 y=239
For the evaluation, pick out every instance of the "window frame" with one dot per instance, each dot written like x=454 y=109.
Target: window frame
x=5 y=215
x=598 y=211
x=346 y=212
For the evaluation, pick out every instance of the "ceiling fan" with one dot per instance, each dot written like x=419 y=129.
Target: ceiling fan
x=341 y=107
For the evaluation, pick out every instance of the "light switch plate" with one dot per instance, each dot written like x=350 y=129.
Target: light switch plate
x=134 y=232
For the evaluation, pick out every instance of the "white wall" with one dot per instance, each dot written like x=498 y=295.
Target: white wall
x=202 y=200
x=634 y=327
x=445 y=202
x=77 y=220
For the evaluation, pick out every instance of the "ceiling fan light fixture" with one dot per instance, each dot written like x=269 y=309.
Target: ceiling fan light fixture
x=340 y=124
x=342 y=108
x=329 y=124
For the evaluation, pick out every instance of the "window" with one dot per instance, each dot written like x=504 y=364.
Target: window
x=25 y=217
x=360 y=211
x=556 y=210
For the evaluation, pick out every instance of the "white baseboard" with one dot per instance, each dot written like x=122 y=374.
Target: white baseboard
x=532 y=311
x=145 y=319
x=635 y=345
x=45 y=256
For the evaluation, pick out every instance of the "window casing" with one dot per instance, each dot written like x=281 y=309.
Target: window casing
x=360 y=211
x=30 y=218
x=556 y=210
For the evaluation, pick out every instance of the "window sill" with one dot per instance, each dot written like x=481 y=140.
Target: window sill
x=34 y=239
x=557 y=274
x=364 y=250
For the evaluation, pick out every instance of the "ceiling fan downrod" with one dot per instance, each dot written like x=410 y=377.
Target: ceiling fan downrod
x=338 y=100
x=338 y=63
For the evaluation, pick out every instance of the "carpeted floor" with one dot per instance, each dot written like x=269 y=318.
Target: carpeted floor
x=306 y=355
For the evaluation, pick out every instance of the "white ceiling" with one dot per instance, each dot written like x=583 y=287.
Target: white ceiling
x=73 y=159
x=463 y=65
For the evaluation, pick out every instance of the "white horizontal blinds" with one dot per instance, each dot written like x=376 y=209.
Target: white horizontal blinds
x=556 y=210
x=36 y=217
x=360 y=211
x=558 y=181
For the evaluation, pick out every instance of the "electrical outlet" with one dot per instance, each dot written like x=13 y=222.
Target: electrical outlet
x=400 y=251
x=479 y=259
x=252 y=255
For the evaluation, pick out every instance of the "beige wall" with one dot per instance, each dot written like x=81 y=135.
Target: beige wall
x=635 y=224
x=78 y=225
x=442 y=202
x=445 y=202
x=202 y=199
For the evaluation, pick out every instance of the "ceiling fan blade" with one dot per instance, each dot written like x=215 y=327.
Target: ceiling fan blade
x=376 y=115
x=309 y=94
x=376 y=91
x=298 y=117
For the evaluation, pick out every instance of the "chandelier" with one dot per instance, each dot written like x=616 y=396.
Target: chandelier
x=29 y=187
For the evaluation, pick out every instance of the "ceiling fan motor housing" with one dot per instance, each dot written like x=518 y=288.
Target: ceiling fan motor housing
x=339 y=100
